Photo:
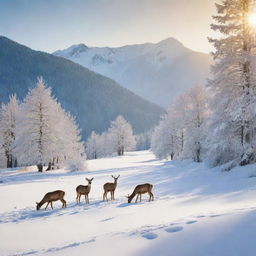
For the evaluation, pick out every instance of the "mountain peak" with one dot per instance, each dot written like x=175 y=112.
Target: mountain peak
x=170 y=41
x=73 y=51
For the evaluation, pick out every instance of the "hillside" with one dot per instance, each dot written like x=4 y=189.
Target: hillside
x=157 y=72
x=95 y=100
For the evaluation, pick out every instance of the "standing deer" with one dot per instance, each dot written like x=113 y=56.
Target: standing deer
x=110 y=187
x=141 y=189
x=51 y=197
x=84 y=190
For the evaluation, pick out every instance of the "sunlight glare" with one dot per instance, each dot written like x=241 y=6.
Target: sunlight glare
x=252 y=19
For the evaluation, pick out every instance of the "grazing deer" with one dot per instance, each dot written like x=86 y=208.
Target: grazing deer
x=51 y=197
x=141 y=189
x=84 y=190
x=110 y=187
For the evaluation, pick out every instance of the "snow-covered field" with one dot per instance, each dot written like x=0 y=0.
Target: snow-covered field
x=197 y=211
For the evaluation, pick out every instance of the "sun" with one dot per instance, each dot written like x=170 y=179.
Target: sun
x=252 y=19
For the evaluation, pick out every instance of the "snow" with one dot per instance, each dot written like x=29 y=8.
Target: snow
x=149 y=70
x=197 y=210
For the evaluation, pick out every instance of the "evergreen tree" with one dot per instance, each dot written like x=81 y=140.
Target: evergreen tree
x=233 y=85
x=47 y=135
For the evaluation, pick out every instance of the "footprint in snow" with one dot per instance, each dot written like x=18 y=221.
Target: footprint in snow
x=214 y=216
x=174 y=229
x=150 y=235
x=191 y=222
x=108 y=219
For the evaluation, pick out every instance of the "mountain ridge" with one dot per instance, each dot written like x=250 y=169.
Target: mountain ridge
x=92 y=98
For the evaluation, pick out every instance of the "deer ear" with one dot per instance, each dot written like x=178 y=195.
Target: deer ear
x=86 y=179
x=37 y=203
x=92 y=179
x=118 y=176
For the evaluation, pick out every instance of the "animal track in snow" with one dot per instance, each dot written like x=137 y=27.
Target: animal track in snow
x=191 y=222
x=174 y=229
x=150 y=235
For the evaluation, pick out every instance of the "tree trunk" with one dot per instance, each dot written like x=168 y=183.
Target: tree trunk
x=49 y=166
x=40 y=167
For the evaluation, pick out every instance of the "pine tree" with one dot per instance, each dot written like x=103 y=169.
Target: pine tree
x=47 y=134
x=8 y=119
x=233 y=85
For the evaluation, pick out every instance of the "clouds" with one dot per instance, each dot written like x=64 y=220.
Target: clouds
x=53 y=24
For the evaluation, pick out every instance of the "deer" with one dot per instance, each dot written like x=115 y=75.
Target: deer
x=110 y=187
x=141 y=189
x=51 y=197
x=83 y=190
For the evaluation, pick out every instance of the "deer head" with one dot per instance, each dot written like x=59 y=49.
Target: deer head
x=115 y=178
x=89 y=181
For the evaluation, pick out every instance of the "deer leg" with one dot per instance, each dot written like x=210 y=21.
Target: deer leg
x=152 y=196
x=137 y=198
x=140 y=197
x=63 y=203
x=104 y=196
x=77 y=195
x=113 y=195
x=51 y=205
x=47 y=205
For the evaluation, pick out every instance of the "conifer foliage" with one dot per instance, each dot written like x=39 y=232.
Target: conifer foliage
x=233 y=85
x=42 y=133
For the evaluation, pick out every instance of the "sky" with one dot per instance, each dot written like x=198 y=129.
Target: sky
x=50 y=25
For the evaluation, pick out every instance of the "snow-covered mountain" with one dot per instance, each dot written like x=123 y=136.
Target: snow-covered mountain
x=157 y=72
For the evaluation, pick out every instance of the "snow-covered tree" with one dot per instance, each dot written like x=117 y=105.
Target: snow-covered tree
x=233 y=86
x=37 y=140
x=196 y=123
x=93 y=146
x=8 y=119
x=164 y=143
x=2 y=157
x=47 y=135
x=143 y=141
x=121 y=134
x=181 y=133
x=74 y=153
